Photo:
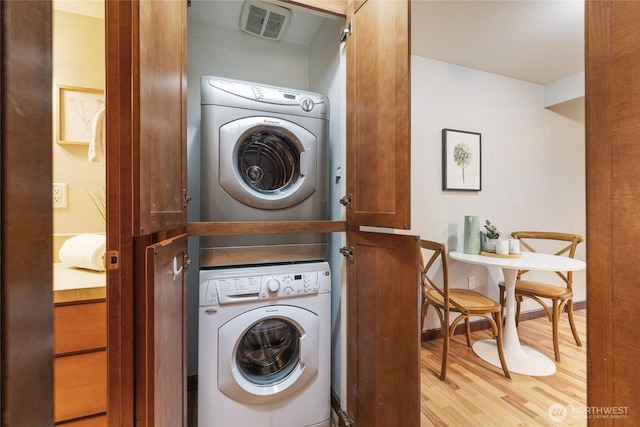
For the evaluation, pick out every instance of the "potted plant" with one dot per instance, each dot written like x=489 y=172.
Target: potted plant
x=491 y=234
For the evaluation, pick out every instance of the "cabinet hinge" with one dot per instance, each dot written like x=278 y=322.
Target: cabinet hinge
x=111 y=260
x=346 y=201
x=347 y=251
x=346 y=32
x=187 y=197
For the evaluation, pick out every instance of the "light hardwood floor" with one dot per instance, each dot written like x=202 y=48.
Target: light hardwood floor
x=477 y=394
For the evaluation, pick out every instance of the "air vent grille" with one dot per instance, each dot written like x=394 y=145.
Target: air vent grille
x=255 y=20
x=264 y=19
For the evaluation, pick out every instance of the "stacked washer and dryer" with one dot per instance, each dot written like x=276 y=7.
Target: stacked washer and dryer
x=265 y=300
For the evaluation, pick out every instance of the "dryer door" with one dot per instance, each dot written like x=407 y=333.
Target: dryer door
x=267 y=163
x=268 y=353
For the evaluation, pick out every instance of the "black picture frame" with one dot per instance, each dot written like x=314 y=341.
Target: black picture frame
x=461 y=160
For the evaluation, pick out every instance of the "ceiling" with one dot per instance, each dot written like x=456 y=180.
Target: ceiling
x=539 y=41
x=302 y=27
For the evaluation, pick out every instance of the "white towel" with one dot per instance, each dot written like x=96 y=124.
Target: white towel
x=99 y=134
x=84 y=251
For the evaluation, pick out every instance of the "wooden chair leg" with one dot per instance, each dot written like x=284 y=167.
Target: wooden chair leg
x=503 y=361
x=423 y=312
x=572 y=323
x=467 y=330
x=445 y=351
x=518 y=302
x=556 y=319
x=502 y=303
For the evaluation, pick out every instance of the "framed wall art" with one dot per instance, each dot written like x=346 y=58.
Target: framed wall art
x=77 y=106
x=461 y=160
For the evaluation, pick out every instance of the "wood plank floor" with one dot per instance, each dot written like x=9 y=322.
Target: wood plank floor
x=477 y=394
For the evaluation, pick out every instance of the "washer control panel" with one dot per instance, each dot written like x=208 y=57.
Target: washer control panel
x=231 y=286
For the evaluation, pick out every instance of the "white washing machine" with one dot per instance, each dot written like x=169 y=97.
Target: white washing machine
x=264 y=346
x=264 y=157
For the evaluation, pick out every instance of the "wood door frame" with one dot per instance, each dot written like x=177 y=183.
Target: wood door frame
x=119 y=173
x=612 y=86
x=26 y=214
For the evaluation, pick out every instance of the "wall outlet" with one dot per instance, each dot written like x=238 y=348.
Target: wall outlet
x=471 y=281
x=59 y=195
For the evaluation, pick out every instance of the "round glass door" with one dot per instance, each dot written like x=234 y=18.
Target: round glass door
x=269 y=351
x=268 y=161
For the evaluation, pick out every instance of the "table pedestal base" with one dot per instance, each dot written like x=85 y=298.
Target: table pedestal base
x=521 y=360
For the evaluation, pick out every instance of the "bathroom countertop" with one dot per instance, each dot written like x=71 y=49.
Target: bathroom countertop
x=76 y=284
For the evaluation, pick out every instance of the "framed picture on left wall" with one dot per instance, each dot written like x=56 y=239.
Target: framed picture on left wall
x=461 y=160
x=77 y=106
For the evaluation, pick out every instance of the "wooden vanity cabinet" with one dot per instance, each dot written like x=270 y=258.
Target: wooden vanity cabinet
x=80 y=364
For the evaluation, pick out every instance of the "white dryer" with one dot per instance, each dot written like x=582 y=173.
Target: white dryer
x=264 y=346
x=264 y=157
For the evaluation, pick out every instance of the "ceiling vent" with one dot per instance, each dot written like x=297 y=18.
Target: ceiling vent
x=264 y=19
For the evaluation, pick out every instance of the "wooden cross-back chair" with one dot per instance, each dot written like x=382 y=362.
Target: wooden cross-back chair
x=446 y=300
x=561 y=295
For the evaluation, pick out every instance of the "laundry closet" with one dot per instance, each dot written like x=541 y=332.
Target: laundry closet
x=279 y=97
x=159 y=154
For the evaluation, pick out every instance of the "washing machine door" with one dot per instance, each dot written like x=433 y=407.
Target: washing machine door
x=268 y=353
x=267 y=163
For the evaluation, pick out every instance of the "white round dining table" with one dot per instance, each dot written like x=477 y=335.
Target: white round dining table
x=519 y=358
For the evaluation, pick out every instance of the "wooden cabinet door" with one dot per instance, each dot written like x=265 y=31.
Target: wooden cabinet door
x=159 y=96
x=378 y=107
x=383 y=295
x=146 y=183
x=383 y=333
x=165 y=379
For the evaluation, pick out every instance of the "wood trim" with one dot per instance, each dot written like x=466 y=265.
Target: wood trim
x=332 y=7
x=599 y=208
x=612 y=117
x=263 y=227
x=26 y=245
x=120 y=333
x=143 y=384
x=480 y=325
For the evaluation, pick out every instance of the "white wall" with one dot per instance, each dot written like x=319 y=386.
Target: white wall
x=78 y=61
x=328 y=75
x=533 y=174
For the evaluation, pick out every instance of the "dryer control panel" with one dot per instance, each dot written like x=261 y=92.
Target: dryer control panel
x=269 y=94
x=221 y=91
x=219 y=287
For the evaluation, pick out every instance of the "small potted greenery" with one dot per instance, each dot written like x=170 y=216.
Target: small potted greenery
x=490 y=236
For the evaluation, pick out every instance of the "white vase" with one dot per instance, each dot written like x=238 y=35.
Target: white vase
x=490 y=245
